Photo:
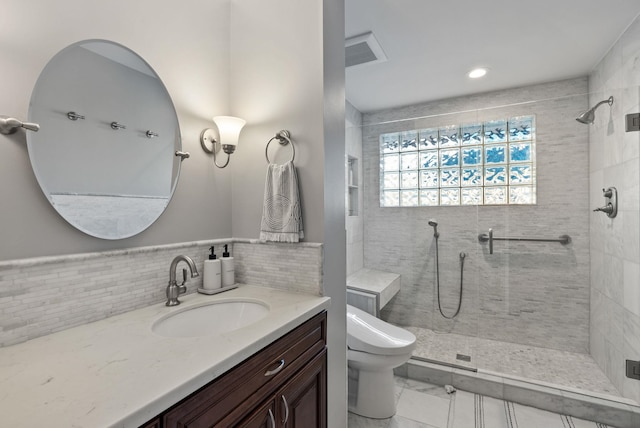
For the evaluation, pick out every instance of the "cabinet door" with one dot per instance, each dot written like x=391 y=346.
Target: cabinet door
x=302 y=402
x=152 y=424
x=262 y=417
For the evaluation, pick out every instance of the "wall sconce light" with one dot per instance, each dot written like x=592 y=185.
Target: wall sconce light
x=229 y=128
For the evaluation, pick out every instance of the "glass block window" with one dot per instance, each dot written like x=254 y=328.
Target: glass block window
x=488 y=163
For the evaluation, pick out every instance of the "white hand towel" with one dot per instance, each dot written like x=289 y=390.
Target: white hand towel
x=281 y=212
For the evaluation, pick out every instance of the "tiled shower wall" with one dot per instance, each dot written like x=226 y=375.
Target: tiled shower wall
x=615 y=243
x=530 y=293
x=354 y=223
x=43 y=295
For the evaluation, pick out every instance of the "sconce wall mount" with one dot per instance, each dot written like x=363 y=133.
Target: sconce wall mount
x=229 y=128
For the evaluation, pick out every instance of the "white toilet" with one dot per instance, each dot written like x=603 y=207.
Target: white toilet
x=375 y=348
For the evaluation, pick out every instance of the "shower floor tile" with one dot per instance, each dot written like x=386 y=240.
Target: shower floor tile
x=566 y=369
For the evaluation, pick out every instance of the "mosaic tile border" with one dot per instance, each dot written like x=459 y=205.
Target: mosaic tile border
x=43 y=295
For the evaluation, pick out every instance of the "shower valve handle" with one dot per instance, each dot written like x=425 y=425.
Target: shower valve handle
x=607 y=209
x=610 y=207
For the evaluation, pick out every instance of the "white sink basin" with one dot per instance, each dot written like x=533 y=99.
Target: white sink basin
x=209 y=319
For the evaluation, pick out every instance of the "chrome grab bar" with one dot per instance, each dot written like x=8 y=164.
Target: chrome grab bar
x=488 y=237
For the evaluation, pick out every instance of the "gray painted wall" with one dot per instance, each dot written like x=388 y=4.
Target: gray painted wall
x=615 y=243
x=535 y=294
x=294 y=79
x=275 y=76
x=334 y=269
x=190 y=59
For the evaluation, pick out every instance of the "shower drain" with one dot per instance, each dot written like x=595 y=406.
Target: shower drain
x=463 y=357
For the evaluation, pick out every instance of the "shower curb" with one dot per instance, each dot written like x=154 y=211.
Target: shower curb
x=614 y=411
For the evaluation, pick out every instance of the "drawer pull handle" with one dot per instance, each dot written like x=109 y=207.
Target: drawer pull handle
x=286 y=410
x=273 y=420
x=276 y=370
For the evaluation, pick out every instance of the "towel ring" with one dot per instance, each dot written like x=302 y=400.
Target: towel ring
x=284 y=138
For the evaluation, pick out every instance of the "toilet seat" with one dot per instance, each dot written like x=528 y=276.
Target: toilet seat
x=367 y=333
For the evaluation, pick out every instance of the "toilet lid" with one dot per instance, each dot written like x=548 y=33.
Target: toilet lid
x=369 y=334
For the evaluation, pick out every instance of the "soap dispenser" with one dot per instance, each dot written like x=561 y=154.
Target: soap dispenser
x=212 y=272
x=228 y=269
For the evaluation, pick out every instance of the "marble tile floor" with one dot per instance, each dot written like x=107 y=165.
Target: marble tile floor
x=565 y=369
x=423 y=405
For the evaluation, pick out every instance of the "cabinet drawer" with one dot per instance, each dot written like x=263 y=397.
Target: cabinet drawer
x=301 y=402
x=246 y=385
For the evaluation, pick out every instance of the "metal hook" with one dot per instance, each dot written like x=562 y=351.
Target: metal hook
x=72 y=115
x=117 y=126
x=9 y=125
x=183 y=155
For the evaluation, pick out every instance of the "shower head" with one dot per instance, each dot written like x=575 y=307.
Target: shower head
x=589 y=115
x=434 y=224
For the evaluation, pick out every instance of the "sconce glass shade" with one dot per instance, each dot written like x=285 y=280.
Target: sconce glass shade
x=229 y=128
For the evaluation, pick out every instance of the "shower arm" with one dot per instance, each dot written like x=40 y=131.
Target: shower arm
x=607 y=101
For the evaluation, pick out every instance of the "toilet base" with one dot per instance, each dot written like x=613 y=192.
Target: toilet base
x=375 y=396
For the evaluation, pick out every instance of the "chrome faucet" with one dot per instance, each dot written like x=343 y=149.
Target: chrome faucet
x=173 y=289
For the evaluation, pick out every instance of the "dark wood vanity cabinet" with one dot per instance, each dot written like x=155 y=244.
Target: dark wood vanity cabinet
x=300 y=403
x=283 y=385
x=155 y=423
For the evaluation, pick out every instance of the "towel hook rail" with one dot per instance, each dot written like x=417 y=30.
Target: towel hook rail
x=284 y=138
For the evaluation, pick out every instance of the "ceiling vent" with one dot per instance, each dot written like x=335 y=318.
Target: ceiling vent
x=363 y=49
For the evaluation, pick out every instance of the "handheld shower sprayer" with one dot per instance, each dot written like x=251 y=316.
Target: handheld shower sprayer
x=434 y=224
x=462 y=256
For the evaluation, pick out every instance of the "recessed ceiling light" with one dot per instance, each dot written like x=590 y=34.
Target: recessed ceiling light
x=477 y=72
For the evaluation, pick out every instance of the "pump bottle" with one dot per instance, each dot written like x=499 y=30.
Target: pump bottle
x=212 y=272
x=228 y=269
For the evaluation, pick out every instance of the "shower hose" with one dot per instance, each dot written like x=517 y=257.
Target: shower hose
x=462 y=257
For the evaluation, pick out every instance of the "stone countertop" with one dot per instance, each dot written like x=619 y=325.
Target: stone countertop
x=117 y=373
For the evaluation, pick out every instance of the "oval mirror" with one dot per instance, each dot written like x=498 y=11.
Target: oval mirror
x=105 y=153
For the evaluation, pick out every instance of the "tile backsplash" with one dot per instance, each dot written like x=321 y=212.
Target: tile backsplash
x=40 y=296
x=283 y=266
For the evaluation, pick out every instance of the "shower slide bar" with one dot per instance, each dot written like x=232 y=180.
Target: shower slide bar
x=484 y=237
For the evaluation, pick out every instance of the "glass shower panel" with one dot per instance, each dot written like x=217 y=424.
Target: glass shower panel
x=521 y=170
